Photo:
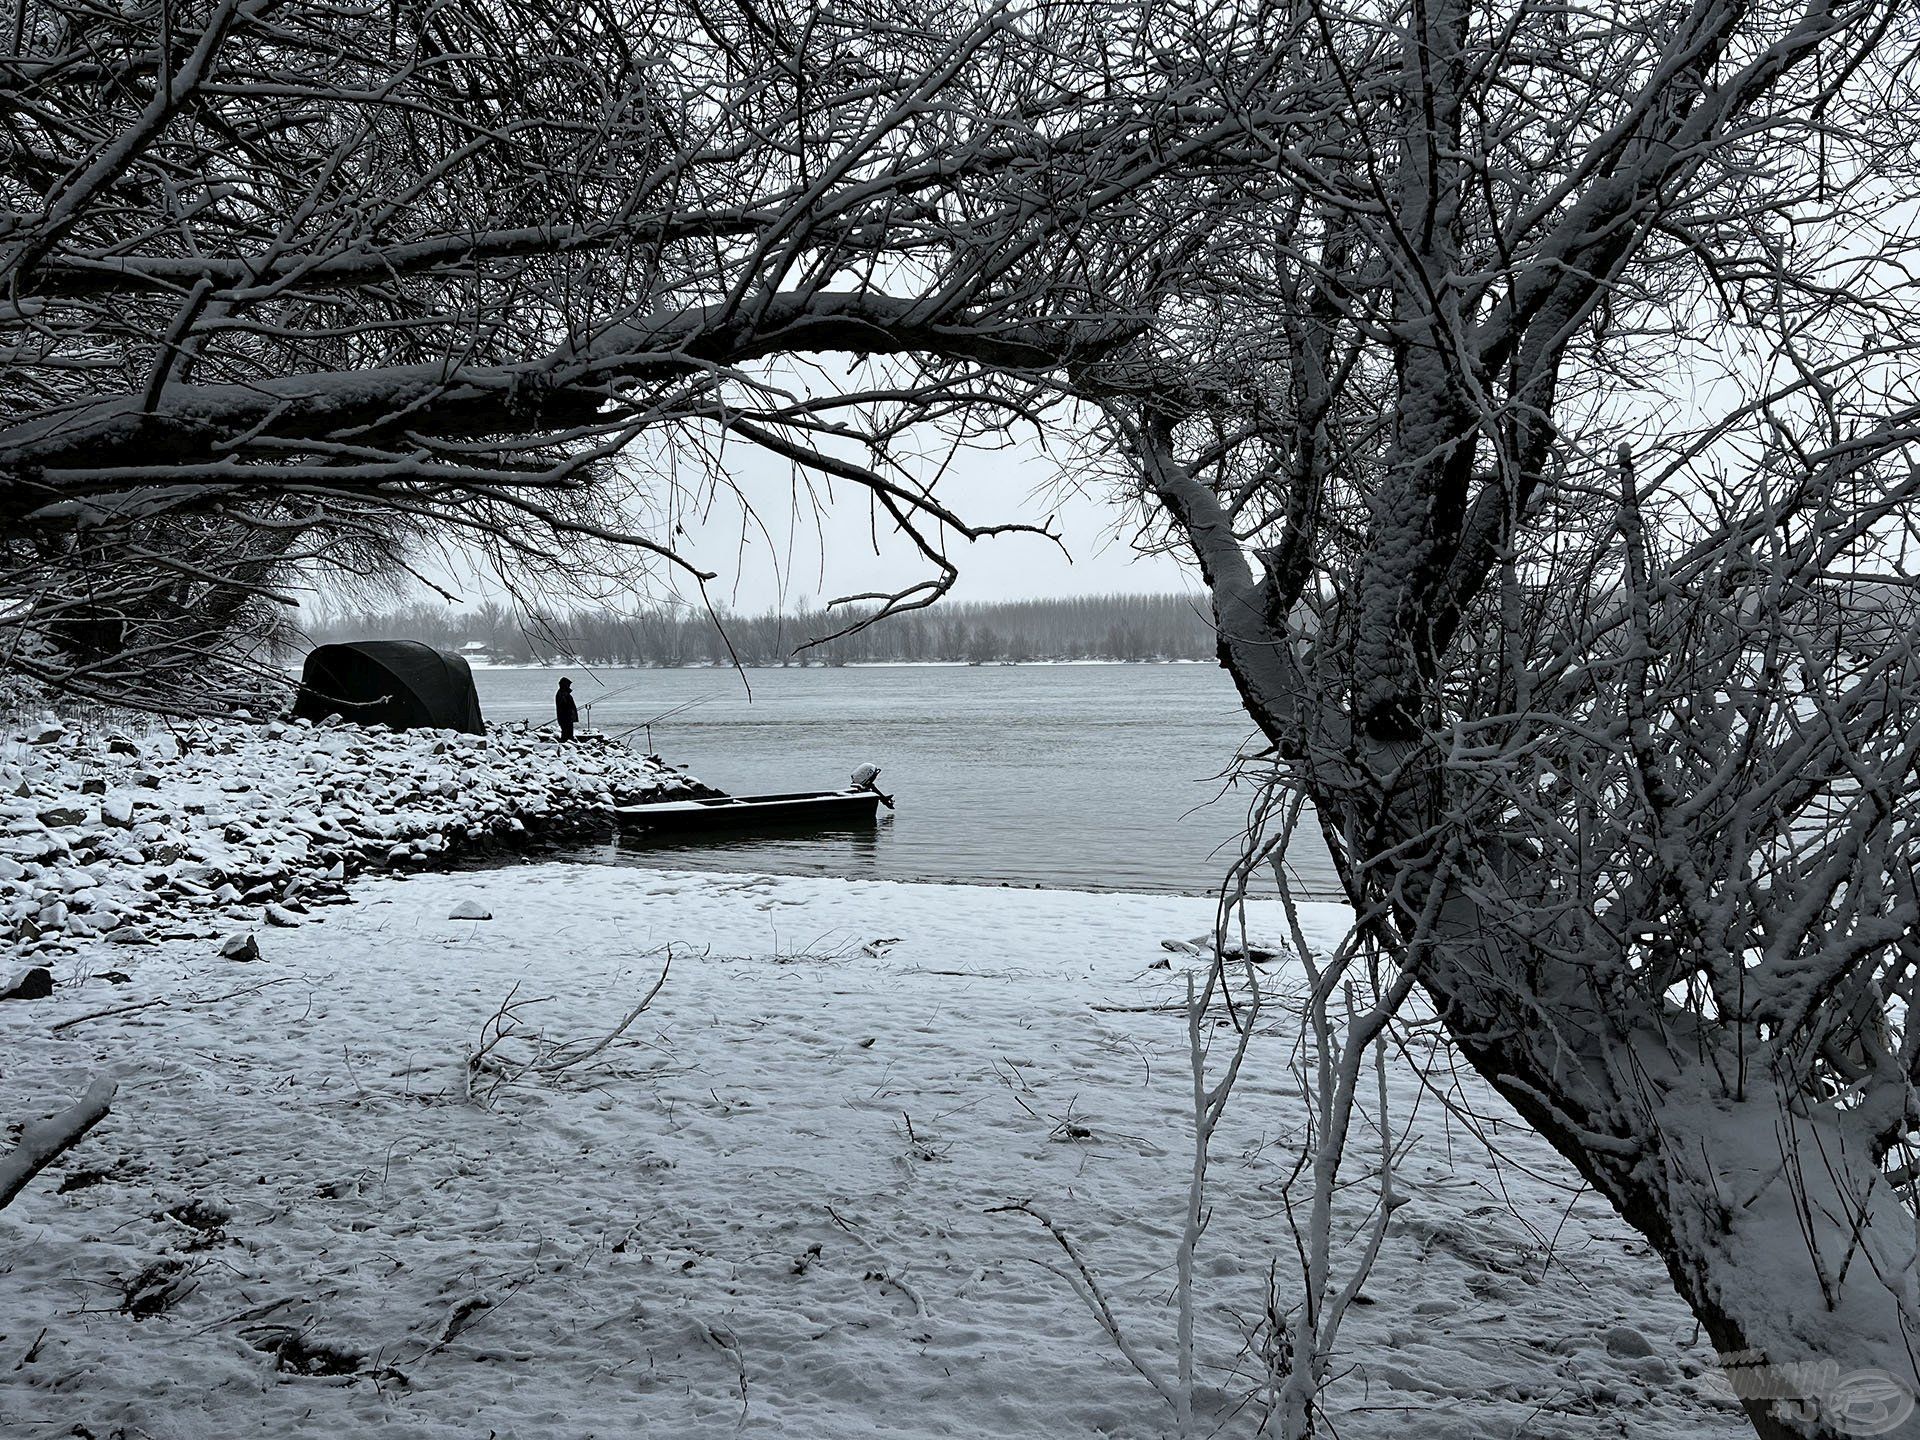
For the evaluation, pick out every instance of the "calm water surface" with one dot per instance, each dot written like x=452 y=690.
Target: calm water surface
x=1104 y=777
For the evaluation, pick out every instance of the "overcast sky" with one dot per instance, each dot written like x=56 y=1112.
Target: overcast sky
x=809 y=559
x=786 y=561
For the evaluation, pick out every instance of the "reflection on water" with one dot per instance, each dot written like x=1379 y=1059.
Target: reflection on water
x=1103 y=777
x=853 y=849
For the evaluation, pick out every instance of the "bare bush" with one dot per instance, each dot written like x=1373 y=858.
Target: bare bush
x=510 y=1052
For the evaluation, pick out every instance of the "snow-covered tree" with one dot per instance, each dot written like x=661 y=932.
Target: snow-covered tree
x=314 y=276
x=1548 y=467
x=1530 y=384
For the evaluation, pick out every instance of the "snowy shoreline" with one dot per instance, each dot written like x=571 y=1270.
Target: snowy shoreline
x=770 y=1206
x=136 y=836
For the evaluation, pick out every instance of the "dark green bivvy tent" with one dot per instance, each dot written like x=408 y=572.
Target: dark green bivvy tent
x=401 y=683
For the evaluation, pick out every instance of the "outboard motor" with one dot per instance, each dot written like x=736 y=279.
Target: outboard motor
x=867 y=777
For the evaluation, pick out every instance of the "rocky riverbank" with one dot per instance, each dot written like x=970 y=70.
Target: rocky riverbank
x=215 y=828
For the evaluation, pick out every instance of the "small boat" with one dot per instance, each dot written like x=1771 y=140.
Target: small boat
x=817 y=808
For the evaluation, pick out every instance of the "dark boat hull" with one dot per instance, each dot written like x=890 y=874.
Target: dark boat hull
x=813 y=809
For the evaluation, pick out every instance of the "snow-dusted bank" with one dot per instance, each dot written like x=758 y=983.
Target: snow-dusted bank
x=135 y=836
x=771 y=1205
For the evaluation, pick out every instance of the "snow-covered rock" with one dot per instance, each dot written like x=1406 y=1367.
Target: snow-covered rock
x=104 y=832
x=1627 y=1342
x=35 y=982
x=240 y=947
x=469 y=910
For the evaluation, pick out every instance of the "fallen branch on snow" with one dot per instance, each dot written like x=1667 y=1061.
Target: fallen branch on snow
x=166 y=1004
x=1088 y=1288
x=44 y=1141
x=550 y=1058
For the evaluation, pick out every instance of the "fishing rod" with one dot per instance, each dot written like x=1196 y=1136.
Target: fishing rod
x=647 y=725
x=607 y=695
x=610 y=695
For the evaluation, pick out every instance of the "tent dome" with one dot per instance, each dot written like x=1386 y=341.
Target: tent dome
x=401 y=683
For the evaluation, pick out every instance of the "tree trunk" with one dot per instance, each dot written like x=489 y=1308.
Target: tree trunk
x=1781 y=1232
x=1770 y=1210
x=1769 y=1207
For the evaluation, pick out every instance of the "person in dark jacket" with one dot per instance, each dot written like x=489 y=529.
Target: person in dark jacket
x=564 y=710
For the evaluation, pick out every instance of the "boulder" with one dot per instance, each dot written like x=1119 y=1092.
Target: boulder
x=240 y=947
x=1628 y=1343
x=33 y=983
x=469 y=910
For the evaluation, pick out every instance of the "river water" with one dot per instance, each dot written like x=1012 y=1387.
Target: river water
x=1090 y=777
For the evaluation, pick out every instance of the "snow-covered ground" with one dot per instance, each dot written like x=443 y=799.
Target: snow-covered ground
x=136 y=834
x=771 y=1205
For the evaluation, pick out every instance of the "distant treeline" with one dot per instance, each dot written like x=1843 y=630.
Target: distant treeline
x=1101 y=627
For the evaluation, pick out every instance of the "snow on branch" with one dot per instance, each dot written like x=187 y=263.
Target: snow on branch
x=43 y=1141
